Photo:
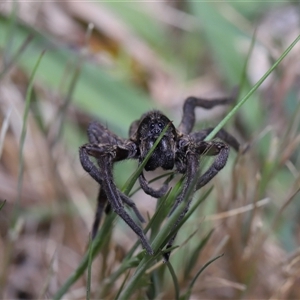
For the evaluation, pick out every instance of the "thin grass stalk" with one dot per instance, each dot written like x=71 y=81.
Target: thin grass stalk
x=71 y=89
x=251 y=92
x=244 y=71
x=42 y=294
x=2 y=204
x=122 y=285
x=89 y=275
x=9 y=64
x=12 y=24
x=164 y=235
x=97 y=244
x=23 y=133
x=133 y=178
x=16 y=209
x=189 y=291
x=4 y=128
x=175 y=280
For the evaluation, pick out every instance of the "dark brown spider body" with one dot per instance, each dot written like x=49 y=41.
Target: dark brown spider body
x=149 y=129
x=178 y=149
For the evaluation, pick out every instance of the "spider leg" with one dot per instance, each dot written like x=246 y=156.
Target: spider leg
x=150 y=191
x=192 y=170
x=218 y=149
x=221 y=150
x=105 y=155
x=101 y=203
x=188 y=117
x=131 y=204
x=221 y=134
x=109 y=187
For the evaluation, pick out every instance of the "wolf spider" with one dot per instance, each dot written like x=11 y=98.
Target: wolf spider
x=178 y=149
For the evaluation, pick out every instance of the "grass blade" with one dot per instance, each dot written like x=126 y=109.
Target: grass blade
x=175 y=280
x=88 y=287
x=122 y=286
x=189 y=291
x=98 y=243
x=193 y=258
x=133 y=178
x=2 y=204
x=254 y=88
x=24 y=130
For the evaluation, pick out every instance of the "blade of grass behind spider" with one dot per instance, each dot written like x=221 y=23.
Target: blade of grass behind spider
x=175 y=280
x=133 y=178
x=189 y=291
x=158 y=243
x=129 y=261
x=2 y=204
x=164 y=206
x=88 y=284
x=195 y=255
x=160 y=213
x=254 y=88
x=147 y=260
x=4 y=128
x=188 y=214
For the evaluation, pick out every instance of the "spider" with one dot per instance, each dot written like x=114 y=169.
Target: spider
x=179 y=149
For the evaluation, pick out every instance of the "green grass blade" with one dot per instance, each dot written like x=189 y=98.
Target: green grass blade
x=194 y=256
x=122 y=286
x=98 y=243
x=133 y=283
x=9 y=64
x=254 y=88
x=133 y=178
x=186 y=217
x=175 y=280
x=158 y=243
x=2 y=204
x=23 y=133
x=189 y=291
x=4 y=128
x=90 y=260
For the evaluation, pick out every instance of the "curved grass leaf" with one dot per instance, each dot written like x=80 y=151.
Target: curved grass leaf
x=189 y=291
x=195 y=255
x=174 y=278
x=2 y=204
x=254 y=88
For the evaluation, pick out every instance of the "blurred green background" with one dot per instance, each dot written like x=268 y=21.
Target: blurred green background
x=113 y=61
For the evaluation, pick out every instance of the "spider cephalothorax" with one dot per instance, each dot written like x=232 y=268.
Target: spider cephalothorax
x=179 y=149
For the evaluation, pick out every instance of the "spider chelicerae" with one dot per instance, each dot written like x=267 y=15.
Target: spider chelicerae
x=178 y=149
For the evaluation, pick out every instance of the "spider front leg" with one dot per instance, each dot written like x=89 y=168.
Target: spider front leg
x=105 y=155
x=218 y=149
x=114 y=198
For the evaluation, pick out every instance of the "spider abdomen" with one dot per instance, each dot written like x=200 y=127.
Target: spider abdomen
x=163 y=156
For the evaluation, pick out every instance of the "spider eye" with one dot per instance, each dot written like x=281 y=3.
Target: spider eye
x=160 y=124
x=152 y=125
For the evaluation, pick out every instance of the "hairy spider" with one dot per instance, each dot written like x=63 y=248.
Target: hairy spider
x=179 y=149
